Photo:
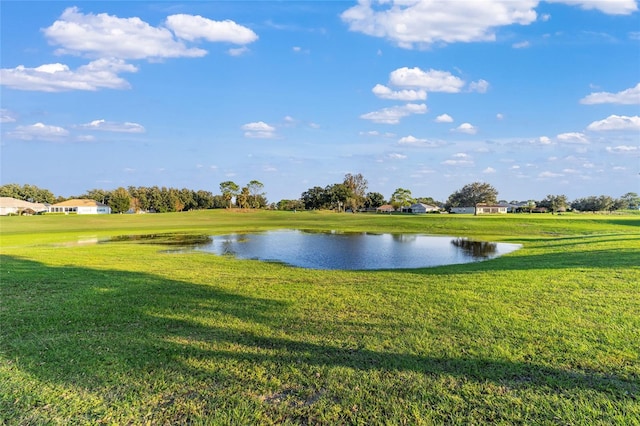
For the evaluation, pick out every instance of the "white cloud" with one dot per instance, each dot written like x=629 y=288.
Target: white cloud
x=104 y=35
x=190 y=27
x=467 y=128
x=384 y=92
x=549 y=175
x=392 y=115
x=623 y=149
x=544 y=140
x=259 y=130
x=109 y=126
x=626 y=97
x=419 y=142
x=611 y=7
x=396 y=156
x=414 y=23
x=99 y=74
x=480 y=86
x=573 y=137
x=238 y=51
x=7 y=116
x=616 y=122
x=431 y=81
x=39 y=131
x=499 y=116
x=444 y=118
x=461 y=155
x=489 y=170
x=521 y=45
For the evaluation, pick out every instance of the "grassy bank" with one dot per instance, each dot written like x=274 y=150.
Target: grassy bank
x=125 y=333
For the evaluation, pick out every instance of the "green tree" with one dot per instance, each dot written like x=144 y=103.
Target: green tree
x=555 y=203
x=336 y=196
x=120 y=201
x=401 y=197
x=229 y=190
x=471 y=195
x=256 y=196
x=357 y=186
x=313 y=198
x=373 y=200
x=242 y=199
x=630 y=200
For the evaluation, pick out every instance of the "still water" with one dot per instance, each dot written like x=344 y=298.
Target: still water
x=355 y=251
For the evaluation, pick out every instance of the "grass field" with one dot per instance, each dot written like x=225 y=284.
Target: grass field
x=124 y=333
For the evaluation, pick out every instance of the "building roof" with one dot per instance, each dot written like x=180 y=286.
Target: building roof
x=79 y=202
x=20 y=204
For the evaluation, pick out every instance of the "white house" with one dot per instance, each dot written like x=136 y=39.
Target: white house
x=419 y=208
x=9 y=205
x=481 y=209
x=80 y=206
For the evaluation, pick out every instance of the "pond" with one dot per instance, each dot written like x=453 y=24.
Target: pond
x=355 y=251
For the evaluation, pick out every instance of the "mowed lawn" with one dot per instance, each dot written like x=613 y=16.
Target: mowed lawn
x=126 y=333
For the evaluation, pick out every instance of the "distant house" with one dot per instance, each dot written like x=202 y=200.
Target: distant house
x=419 y=208
x=462 y=210
x=80 y=206
x=387 y=208
x=481 y=209
x=492 y=209
x=9 y=205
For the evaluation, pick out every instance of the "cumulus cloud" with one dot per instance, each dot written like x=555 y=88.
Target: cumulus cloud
x=411 y=24
x=39 y=131
x=431 y=81
x=467 y=128
x=629 y=96
x=190 y=27
x=544 y=140
x=392 y=115
x=412 y=141
x=110 y=126
x=444 y=118
x=385 y=92
x=610 y=7
x=103 y=35
x=459 y=159
x=98 y=74
x=259 y=130
x=616 y=122
x=573 y=137
x=238 y=51
x=489 y=170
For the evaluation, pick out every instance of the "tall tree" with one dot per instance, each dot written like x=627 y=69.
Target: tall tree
x=229 y=189
x=313 y=198
x=357 y=186
x=256 y=196
x=401 y=197
x=120 y=200
x=471 y=195
x=631 y=200
x=555 y=203
x=373 y=200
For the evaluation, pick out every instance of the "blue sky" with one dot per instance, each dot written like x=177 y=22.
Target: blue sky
x=533 y=97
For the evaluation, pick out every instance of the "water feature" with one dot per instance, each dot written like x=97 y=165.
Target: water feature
x=355 y=251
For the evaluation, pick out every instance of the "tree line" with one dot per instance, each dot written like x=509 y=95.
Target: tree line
x=349 y=195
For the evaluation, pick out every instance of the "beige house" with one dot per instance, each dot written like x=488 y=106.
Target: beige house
x=9 y=205
x=80 y=206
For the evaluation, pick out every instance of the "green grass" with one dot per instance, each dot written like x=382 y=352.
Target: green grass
x=124 y=333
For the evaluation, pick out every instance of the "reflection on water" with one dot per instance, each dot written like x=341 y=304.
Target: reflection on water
x=355 y=251
x=475 y=249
